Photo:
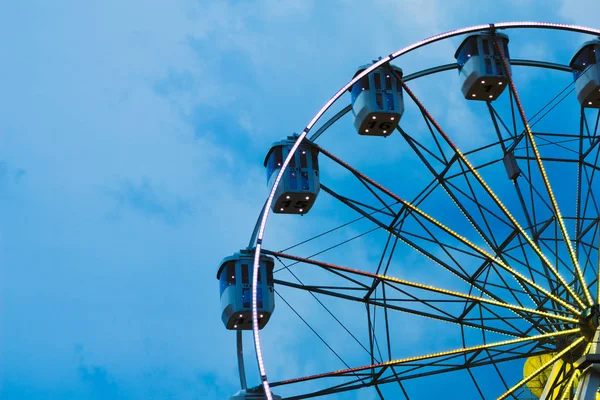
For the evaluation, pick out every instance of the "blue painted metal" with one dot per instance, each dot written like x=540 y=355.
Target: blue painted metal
x=586 y=72
x=480 y=66
x=377 y=102
x=299 y=186
x=234 y=275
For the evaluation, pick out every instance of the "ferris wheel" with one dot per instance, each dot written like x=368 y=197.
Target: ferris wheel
x=468 y=253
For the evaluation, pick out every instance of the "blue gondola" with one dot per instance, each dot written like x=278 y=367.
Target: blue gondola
x=480 y=66
x=586 y=72
x=235 y=277
x=299 y=185
x=377 y=102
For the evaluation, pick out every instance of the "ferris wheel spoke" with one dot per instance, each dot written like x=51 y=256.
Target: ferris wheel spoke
x=415 y=370
x=567 y=390
x=560 y=384
x=450 y=360
x=452 y=251
x=588 y=249
x=464 y=241
x=499 y=123
x=450 y=188
x=587 y=206
x=489 y=191
x=387 y=304
x=589 y=198
x=501 y=249
x=313 y=330
x=593 y=138
x=397 y=284
x=542 y=368
x=550 y=245
x=508 y=257
x=517 y=255
x=495 y=117
x=519 y=277
x=542 y=170
x=459 y=273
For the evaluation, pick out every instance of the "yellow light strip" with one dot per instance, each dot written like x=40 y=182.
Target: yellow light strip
x=436 y=318
x=454 y=273
x=454 y=234
x=426 y=287
x=541 y=368
x=433 y=355
x=530 y=241
x=482 y=236
x=491 y=258
x=493 y=196
x=538 y=159
x=567 y=391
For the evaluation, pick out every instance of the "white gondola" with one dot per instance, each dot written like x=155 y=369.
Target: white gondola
x=586 y=72
x=481 y=67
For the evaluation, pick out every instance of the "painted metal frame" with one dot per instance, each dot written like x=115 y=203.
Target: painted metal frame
x=258 y=235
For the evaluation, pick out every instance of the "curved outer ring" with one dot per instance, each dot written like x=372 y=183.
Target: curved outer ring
x=340 y=93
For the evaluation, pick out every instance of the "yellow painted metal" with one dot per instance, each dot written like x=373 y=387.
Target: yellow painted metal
x=538 y=383
x=567 y=393
x=541 y=368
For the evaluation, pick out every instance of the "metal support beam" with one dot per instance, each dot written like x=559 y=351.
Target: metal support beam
x=589 y=382
x=240 y=357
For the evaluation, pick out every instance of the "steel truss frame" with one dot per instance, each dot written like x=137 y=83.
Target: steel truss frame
x=527 y=262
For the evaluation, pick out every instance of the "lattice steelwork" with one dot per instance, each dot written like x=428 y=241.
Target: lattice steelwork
x=511 y=222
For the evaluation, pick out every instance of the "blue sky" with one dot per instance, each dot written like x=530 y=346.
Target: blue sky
x=132 y=136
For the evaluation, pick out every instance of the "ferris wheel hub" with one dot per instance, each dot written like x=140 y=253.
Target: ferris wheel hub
x=588 y=321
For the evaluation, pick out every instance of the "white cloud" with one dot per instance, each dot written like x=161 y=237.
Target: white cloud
x=583 y=13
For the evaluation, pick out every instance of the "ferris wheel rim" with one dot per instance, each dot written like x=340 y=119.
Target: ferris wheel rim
x=265 y=213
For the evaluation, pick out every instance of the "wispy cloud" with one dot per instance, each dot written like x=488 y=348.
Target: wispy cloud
x=163 y=111
x=143 y=197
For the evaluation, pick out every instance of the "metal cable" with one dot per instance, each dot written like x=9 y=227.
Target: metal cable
x=325 y=307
